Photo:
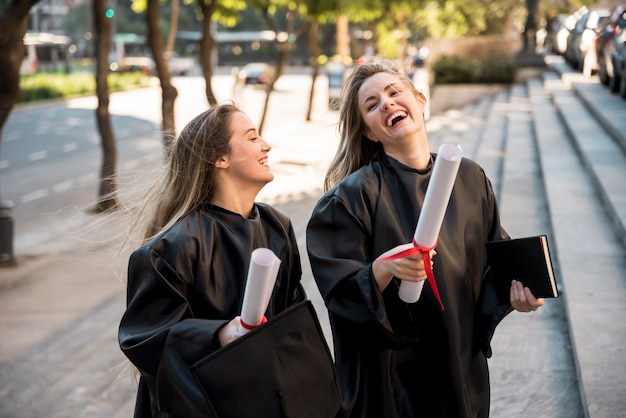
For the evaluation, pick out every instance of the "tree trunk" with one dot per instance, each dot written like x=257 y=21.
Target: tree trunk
x=169 y=92
x=207 y=46
x=171 y=37
x=13 y=25
x=314 y=44
x=108 y=184
x=284 y=46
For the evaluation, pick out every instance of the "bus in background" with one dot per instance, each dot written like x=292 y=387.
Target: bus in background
x=45 y=52
x=130 y=52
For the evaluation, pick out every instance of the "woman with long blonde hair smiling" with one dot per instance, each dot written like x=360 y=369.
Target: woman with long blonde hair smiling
x=186 y=282
x=398 y=359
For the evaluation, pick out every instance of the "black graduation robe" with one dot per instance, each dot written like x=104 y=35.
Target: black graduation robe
x=184 y=285
x=395 y=359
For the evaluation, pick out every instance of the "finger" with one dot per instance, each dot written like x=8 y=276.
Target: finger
x=518 y=299
x=534 y=303
x=516 y=290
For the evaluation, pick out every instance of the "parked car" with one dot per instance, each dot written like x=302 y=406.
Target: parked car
x=617 y=83
x=258 y=73
x=130 y=52
x=179 y=65
x=145 y=65
x=603 y=43
x=582 y=35
x=566 y=26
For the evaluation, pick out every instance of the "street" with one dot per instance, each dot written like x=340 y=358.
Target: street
x=50 y=157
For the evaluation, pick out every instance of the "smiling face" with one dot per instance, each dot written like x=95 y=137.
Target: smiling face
x=247 y=162
x=393 y=114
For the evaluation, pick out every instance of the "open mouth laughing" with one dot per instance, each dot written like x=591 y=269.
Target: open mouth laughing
x=395 y=117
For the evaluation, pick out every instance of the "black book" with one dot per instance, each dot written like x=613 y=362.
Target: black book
x=526 y=260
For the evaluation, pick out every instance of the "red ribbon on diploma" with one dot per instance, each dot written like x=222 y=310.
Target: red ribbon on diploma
x=416 y=249
x=251 y=327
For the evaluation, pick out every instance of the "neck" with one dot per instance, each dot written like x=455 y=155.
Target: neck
x=416 y=155
x=241 y=202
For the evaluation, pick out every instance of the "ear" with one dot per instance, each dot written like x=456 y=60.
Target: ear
x=222 y=162
x=368 y=134
x=421 y=99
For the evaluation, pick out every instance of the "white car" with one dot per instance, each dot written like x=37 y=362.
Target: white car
x=179 y=65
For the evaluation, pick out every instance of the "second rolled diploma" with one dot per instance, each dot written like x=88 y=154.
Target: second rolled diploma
x=259 y=286
x=430 y=219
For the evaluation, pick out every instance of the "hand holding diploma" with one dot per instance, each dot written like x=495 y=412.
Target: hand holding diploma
x=431 y=217
x=261 y=278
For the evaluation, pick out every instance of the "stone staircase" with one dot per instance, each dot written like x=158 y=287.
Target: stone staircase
x=555 y=149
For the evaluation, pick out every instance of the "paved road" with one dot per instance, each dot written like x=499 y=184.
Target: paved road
x=51 y=154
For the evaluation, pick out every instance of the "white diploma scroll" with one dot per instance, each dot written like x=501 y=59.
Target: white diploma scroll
x=261 y=278
x=435 y=205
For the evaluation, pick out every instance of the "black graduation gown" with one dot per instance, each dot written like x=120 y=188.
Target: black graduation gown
x=184 y=285
x=395 y=359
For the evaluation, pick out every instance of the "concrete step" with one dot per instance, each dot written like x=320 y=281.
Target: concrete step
x=584 y=172
x=608 y=108
x=600 y=152
x=532 y=367
x=553 y=148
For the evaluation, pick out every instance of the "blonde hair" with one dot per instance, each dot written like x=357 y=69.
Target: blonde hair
x=355 y=149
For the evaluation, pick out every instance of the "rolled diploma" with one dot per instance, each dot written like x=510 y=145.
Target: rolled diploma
x=261 y=278
x=435 y=204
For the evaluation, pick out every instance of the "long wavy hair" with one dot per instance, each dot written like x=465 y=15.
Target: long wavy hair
x=355 y=149
x=187 y=180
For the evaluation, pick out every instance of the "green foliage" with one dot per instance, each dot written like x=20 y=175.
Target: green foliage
x=496 y=69
x=458 y=18
x=44 y=86
x=452 y=69
x=490 y=69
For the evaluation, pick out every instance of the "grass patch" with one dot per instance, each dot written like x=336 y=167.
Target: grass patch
x=45 y=86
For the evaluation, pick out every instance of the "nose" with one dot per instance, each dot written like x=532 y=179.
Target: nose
x=387 y=102
x=265 y=146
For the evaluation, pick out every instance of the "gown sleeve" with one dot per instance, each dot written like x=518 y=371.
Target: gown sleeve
x=336 y=243
x=160 y=338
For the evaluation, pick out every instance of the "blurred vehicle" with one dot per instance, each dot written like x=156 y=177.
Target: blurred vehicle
x=617 y=83
x=566 y=26
x=179 y=65
x=603 y=43
x=45 y=52
x=130 y=52
x=582 y=35
x=258 y=73
x=145 y=65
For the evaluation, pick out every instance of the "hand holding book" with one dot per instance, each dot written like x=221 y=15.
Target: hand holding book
x=526 y=260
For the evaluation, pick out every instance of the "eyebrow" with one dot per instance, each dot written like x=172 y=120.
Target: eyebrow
x=387 y=88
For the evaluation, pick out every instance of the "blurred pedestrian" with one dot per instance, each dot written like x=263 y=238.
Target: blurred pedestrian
x=397 y=359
